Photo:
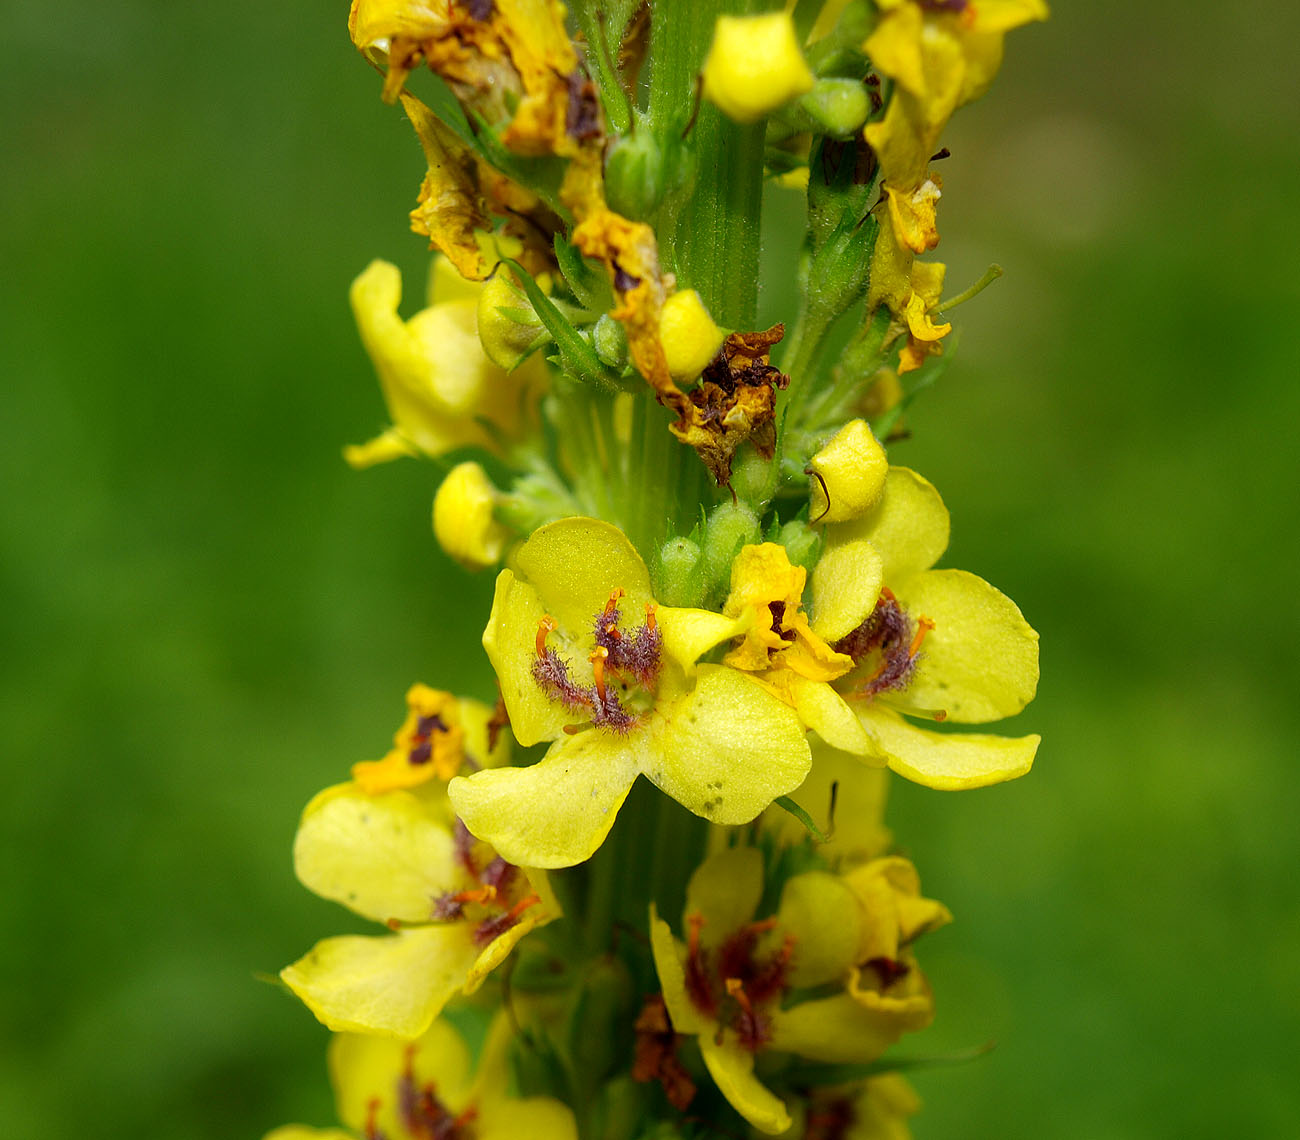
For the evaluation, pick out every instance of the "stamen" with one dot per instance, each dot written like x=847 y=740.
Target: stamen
x=923 y=626
x=546 y=626
x=694 y=923
x=612 y=604
x=492 y=928
x=650 y=622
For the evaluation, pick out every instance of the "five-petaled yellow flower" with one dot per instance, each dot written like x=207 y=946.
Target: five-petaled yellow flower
x=456 y=908
x=429 y=1088
x=731 y=983
x=586 y=658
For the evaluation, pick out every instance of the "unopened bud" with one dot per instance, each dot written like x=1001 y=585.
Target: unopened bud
x=507 y=325
x=836 y=107
x=802 y=544
x=690 y=338
x=731 y=526
x=463 y=518
x=847 y=475
x=755 y=66
x=634 y=175
x=679 y=577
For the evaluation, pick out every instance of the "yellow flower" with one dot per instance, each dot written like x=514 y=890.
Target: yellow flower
x=440 y=387
x=730 y=983
x=754 y=65
x=789 y=655
x=937 y=644
x=417 y=1090
x=875 y=1109
x=565 y=652
x=456 y=907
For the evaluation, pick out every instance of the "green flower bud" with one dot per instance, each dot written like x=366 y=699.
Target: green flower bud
x=837 y=107
x=679 y=573
x=803 y=545
x=731 y=526
x=634 y=175
x=610 y=341
x=507 y=325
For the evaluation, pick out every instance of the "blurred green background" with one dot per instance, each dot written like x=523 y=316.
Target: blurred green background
x=206 y=616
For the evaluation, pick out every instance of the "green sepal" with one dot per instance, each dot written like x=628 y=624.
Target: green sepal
x=787 y=804
x=576 y=357
x=589 y=288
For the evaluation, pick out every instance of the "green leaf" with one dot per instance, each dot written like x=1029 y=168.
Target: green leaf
x=786 y=803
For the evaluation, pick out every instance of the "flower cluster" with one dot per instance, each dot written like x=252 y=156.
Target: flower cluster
x=712 y=574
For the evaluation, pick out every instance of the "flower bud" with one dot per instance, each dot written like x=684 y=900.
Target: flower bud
x=463 y=520
x=836 y=107
x=507 y=336
x=689 y=336
x=679 y=577
x=634 y=175
x=731 y=526
x=755 y=66
x=609 y=338
x=848 y=475
x=802 y=544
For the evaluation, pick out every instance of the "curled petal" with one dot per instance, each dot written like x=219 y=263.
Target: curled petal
x=395 y=984
x=732 y=1068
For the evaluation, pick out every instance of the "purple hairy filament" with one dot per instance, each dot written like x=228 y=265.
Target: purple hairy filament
x=635 y=656
x=733 y=983
x=495 y=904
x=891 y=634
x=424 y=1116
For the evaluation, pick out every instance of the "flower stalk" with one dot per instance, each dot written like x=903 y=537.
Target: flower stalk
x=653 y=881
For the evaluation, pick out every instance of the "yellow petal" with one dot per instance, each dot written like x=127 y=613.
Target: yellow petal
x=859 y=832
x=498 y=950
x=381 y=856
x=727 y=749
x=395 y=984
x=575 y=563
x=947 y=761
x=837 y=1030
x=364 y=1068
x=725 y=889
x=689 y=634
x=823 y=710
x=851 y=467
x=824 y=916
x=511 y=643
x=754 y=65
x=536 y=1117
x=384 y=448
x=667 y=953
x=909 y=529
x=845 y=588
x=556 y=812
x=980 y=662
x=732 y=1070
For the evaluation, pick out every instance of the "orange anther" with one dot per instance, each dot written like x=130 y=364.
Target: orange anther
x=764 y=926
x=923 y=626
x=612 y=604
x=650 y=622
x=611 y=630
x=597 y=660
x=545 y=626
x=484 y=894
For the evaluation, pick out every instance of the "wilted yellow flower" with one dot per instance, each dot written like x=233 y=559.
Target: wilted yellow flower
x=706 y=735
x=439 y=385
x=754 y=65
